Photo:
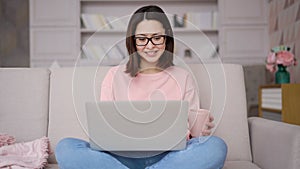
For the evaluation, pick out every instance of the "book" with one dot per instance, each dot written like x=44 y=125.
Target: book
x=201 y=20
x=103 y=54
x=103 y=22
x=215 y=20
x=94 y=21
x=93 y=52
x=87 y=23
x=116 y=23
x=112 y=52
x=87 y=53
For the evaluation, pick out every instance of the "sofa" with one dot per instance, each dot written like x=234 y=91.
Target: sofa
x=38 y=102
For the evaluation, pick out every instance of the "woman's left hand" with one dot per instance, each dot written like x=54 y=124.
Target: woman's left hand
x=209 y=125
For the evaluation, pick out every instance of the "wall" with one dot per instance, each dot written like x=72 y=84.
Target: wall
x=14 y=33
x=284 y=29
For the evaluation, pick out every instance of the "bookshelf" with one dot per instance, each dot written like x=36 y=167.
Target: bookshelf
x=176 y=30
x=57 y=33
x=280 y=102
x=200 y=41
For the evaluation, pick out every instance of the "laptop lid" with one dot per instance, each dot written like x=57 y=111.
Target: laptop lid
x=137 y=125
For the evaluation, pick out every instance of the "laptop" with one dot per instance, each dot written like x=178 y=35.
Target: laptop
x=137 y=125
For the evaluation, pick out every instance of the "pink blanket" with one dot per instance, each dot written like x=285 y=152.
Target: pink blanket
x=29 y=155
x=6 y=139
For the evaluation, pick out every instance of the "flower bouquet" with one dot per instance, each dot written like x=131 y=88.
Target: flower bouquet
x=278 y=59
x=280 y=56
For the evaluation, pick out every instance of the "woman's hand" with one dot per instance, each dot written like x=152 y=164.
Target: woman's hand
x=209 y=126
x=188 y=135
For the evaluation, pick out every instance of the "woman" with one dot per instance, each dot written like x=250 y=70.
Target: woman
x=148 y=75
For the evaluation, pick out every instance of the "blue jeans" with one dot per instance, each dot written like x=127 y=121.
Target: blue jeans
x=74 y=153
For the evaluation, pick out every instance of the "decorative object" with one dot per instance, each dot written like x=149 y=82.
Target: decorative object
x=178 y=21
x=187 y=53
x=278 y=60
x=282 y=75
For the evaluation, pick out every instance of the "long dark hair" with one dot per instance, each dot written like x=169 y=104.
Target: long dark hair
x=150 y=12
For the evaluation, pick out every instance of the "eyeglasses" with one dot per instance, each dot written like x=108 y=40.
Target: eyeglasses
x=155 y=40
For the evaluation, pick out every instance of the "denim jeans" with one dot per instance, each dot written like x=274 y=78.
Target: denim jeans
x=200 y=153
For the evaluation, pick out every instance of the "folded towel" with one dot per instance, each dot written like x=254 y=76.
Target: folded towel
x=31 y=155
x=6 y=139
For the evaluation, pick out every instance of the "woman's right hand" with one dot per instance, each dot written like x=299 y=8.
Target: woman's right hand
x=209 y=126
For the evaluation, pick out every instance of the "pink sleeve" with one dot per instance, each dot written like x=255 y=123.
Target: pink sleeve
x=191 y=93
x=106 y=87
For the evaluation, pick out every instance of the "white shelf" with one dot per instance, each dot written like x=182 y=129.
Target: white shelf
x=179 y=30
x=176 y=30
x=97 y=62
x=101 y=31
x=214 y=1
x=186 y=37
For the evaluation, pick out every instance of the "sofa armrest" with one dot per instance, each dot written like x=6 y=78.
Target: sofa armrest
x=275 y=145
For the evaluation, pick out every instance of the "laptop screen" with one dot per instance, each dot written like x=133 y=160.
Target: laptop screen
x=137 y=125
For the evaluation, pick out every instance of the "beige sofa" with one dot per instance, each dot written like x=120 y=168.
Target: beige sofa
x=43 y=102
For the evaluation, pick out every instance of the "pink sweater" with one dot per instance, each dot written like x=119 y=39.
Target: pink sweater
x=174 y=83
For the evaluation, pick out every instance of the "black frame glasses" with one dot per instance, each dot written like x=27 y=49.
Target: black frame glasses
x=150 y=39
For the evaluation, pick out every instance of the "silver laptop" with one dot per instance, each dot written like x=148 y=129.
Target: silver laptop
x=137 y=125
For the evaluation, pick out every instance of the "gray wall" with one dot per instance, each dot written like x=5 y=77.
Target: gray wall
x=14 y=33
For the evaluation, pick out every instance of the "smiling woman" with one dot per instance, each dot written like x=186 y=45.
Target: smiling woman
x=149 y=74
x=148 y=22
x=150 y=52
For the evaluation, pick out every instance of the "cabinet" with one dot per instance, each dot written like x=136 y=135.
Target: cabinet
x=243 y=31
x=53 y=35
x=280 y=102
x=57 y=32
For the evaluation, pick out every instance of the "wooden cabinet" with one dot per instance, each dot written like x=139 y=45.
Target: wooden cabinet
x=243 y=31
x=280 y=102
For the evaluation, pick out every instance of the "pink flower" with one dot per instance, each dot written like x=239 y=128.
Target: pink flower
x=284 y=57
x=270 y=67
x=271 y=58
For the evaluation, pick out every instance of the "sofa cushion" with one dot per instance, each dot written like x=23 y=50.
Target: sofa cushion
x=274 y=144
x=24 y=102
x=222 y=89
x=70 y=89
